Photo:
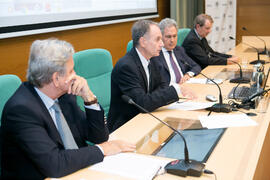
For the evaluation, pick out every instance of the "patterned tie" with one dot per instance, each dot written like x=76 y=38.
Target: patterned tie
x=64 y=129
x=175 y=69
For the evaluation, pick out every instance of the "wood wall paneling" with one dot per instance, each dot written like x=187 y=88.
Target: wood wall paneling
x=114 y=37
x=255 y=16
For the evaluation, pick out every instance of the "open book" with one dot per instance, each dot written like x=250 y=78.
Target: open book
x=131 y=165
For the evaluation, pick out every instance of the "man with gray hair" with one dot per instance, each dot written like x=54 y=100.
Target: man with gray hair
x=197 y=46
x=138 y=77
x=44 y=132
x=175 y=65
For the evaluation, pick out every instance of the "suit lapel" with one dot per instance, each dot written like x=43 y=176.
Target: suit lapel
x=47 y=115
x=204 y=45
x=163 y=61
x=139 y=66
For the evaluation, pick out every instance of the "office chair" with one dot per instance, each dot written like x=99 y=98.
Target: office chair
x=8 y=85
x=95 y=65
x=129 y=45
x=182 y=33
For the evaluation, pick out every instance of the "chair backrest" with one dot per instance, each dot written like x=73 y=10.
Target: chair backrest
x=129 y=45
x=95 y=65
x=8 y=85
x=182 y=33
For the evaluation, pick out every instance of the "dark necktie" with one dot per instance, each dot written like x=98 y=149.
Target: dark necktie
x=150 y=76
x=175 y=69
x=64 y=129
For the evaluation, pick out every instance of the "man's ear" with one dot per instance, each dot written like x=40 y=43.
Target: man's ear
x=55 y=79
x=142 y=42
x=197 y=26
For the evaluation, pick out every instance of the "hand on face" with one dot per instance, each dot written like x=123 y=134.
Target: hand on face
x=78 y=86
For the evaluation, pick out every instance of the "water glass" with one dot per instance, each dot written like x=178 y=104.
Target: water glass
x=263 y=104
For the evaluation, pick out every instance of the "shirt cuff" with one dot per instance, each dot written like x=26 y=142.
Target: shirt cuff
x=190 y=73
x=177 y=88
x=94 y=107
x=100 y=149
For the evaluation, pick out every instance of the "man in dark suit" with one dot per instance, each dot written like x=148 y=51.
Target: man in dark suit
x=197 y=46
x=173 y=59
x=138 y=77
x=44 y=132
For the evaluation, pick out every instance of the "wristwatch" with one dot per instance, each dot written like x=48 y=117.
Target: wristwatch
x=91 y=102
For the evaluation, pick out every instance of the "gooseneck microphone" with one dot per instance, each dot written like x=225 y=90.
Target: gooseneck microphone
x=186 y=167
x=218 y=107
x=265 y=51
x=240 y=79
x=258 y=53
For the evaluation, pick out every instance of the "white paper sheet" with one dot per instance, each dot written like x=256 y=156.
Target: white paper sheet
x=131 y=165
x=190 y=106
x=224 y=121
x=203 y=81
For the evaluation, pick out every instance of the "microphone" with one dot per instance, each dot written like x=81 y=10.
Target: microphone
x=250 y=98
x=258 y=53
x=178 y=167
x=218 y=107
x=240 y=79
x=265 y=51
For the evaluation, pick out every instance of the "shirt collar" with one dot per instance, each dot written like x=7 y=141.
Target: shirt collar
x=164 y=50
x=144 y=61
x=49 y=102
x=197 y=34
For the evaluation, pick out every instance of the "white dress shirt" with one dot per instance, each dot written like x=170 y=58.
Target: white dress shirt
x=145 y=63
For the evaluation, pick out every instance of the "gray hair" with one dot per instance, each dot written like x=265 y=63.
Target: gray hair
x=139 y=29
x=201 y=18
x=47 y=57
x=167 y=22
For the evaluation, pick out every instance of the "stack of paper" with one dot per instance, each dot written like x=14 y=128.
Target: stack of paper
x=131 y=165
x=224 y=121
x=190 y=106
x=203 y=81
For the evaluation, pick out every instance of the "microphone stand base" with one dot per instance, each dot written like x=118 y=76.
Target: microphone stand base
x=183 y=168
x=257 y=62
x=220 y=108
x=239 y=80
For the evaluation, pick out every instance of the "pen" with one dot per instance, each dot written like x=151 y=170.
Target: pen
x=183 y=98
x=156 y=174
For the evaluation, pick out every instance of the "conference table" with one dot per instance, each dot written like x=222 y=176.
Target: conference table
x=242 y=153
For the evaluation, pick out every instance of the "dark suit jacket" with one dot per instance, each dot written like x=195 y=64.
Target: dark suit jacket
x=201 y=52
x=181 y=56
x=129 y=78
x=31 y=145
